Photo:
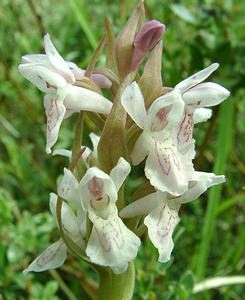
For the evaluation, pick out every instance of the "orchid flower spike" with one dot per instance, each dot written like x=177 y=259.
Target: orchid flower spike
x=162 y=211
x=53 y=76
x=55 y=255
x=111 y=243
x=167 y=169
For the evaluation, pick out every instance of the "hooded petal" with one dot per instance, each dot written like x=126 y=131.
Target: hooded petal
x=133 y=102
x=198 y=77
x=80 y=98
x=57 y=61
x=120 y=172
x=108 y=188
x=51 y=258
x=165 y=112
x=77 y=72
x=68 y=187
x=140 y=207
x=55 y=111
x=198 y=184
x=42 y=77
x=204 y=95
x=161 y=223
x=111 y=243
x=167 y=169
x=201 y=115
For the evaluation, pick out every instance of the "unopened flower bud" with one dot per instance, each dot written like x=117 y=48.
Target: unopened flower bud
x=145 y=40
x=101 y=80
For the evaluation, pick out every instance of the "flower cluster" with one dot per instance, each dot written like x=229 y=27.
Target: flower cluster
x=144 y=122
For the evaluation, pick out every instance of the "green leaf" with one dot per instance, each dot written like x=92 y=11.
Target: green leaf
x=184 y=13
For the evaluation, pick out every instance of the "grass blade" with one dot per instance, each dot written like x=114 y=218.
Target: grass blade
x=223 y=150
x=81 y=17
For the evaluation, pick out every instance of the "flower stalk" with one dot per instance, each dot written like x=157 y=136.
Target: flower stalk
x=117 y=287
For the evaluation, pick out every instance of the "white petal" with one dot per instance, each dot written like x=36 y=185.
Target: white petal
x=201 y=115
x=82 y=220
x=86 y=155
x=133 y=102
x=69 y=112
x=42 y=77
x=199 y=183
x=108 y=186
x=196 y=78
x=36 y=58
x=55 y=111
x=68 y=218
x=161 y=223
x=205 y=95
x=51 y=258
x=111 y=243
x=141 y=148
x=140 y=207
x=120 y=172
x=168 y=170
x=57 y=61
x=165 y=111
x=62 y=152
x=80 y=98
x=95 y=141
x=77 y=72
x=68 y=187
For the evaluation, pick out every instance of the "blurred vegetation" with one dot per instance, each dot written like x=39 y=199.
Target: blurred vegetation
x=210 y=239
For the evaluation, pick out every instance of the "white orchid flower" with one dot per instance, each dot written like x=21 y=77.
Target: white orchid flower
x=53 y=76
x=166 y=168
x=197 y=96
x=55 y=255
x=111 y=243
x=162 y=211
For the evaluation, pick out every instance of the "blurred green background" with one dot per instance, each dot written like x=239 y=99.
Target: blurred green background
x=209 y=241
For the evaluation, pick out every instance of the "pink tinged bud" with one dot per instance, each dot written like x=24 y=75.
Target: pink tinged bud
x=145 y=40
x=95 y=187
x=101 y=80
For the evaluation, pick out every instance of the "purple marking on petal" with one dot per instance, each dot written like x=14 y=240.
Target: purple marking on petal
x=52 y=116
x=164 y=231
x=95 y=187
x=185 y=128
x=43 y=259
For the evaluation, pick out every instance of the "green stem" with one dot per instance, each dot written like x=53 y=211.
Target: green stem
x=117 y=287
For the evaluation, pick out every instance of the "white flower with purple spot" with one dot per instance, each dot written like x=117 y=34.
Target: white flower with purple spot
x=54 y=76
